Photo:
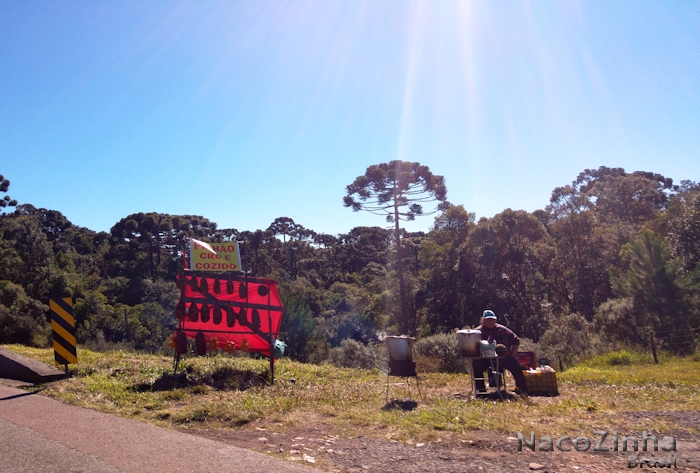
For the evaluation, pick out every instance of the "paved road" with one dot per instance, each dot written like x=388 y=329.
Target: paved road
x=41 y=434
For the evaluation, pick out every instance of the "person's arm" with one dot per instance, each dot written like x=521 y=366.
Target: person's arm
x=514 y=350
x=512 y=340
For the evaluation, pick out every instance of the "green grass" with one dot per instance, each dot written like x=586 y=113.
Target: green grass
x=596 y=394
x=622 y=368
x=619 y=358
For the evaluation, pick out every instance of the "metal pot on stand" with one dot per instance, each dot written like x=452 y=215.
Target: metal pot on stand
x=400 y=348
x=469 y=342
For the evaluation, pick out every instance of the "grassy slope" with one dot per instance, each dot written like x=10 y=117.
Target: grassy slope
x=596 y=395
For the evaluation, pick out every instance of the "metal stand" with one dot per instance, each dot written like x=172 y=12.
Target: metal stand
x=495 y=370
x=176 y=362
x=272 y=346
x=405 y=370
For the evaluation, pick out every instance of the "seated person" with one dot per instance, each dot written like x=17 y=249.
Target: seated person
x=502 y=335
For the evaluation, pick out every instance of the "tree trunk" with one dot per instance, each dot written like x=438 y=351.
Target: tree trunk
x=399 y=268
x=126 y=326
x=150 y=257
x=159 y=245
x=653 y=347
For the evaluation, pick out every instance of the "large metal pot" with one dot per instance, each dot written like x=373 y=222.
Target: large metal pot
x=469 y=341
x=400 y=348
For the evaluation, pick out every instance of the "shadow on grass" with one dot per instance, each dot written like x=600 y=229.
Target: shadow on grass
x=395 y=404
x=226 y=378
x=495 y=396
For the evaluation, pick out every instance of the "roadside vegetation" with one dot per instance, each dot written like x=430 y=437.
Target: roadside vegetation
x=605 y=392
x=601 y=279
x=611 y=261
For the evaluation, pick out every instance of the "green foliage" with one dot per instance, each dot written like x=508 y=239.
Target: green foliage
x=360 y=247
x=352 y=354
x=617 y=321
x=506 y=257
x=570 y=338
x=660 y=292
x=347 y=325
x=449 y=278
x=6 y=201
x=591 y=220
x=347 y=314
x=397 y=190
x=619 y=358
x=300 y=329
x=31 y=254
x=528 y=345
x=104 y=327
x=591 y=252
x=683 y=225
x=442 y=351
x=21 y=317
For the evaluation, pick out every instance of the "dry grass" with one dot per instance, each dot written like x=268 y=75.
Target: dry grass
x=593 y=396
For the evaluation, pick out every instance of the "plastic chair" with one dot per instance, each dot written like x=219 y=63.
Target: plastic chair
x=526 y=359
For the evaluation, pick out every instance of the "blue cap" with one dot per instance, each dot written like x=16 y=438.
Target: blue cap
x=488 y=314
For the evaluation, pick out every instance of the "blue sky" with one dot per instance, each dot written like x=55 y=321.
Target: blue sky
x=247 y=111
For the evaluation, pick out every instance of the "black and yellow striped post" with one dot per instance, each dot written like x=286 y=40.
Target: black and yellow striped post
x=63 y=325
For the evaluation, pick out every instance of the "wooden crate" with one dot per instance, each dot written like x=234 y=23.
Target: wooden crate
x=542 y=383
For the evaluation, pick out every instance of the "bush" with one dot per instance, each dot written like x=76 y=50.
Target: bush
x=696 y=356
x=21 y=317
x=99 y=344
x=341 y=326
x=617 y=320
x=353 y=354
x=619 y=358
x=440 y=353
x=570 y=338
x=528 y=345
x=304 y=341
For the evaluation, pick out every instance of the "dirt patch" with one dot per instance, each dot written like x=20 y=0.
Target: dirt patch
x=689 y=420
x=318 y=442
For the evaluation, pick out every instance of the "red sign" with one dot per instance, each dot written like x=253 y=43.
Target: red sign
x=226 y=309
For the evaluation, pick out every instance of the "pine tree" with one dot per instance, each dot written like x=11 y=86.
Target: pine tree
x=397 y=190
x=4 y=186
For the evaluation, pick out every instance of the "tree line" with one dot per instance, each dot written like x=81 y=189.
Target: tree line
x=613 y=258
